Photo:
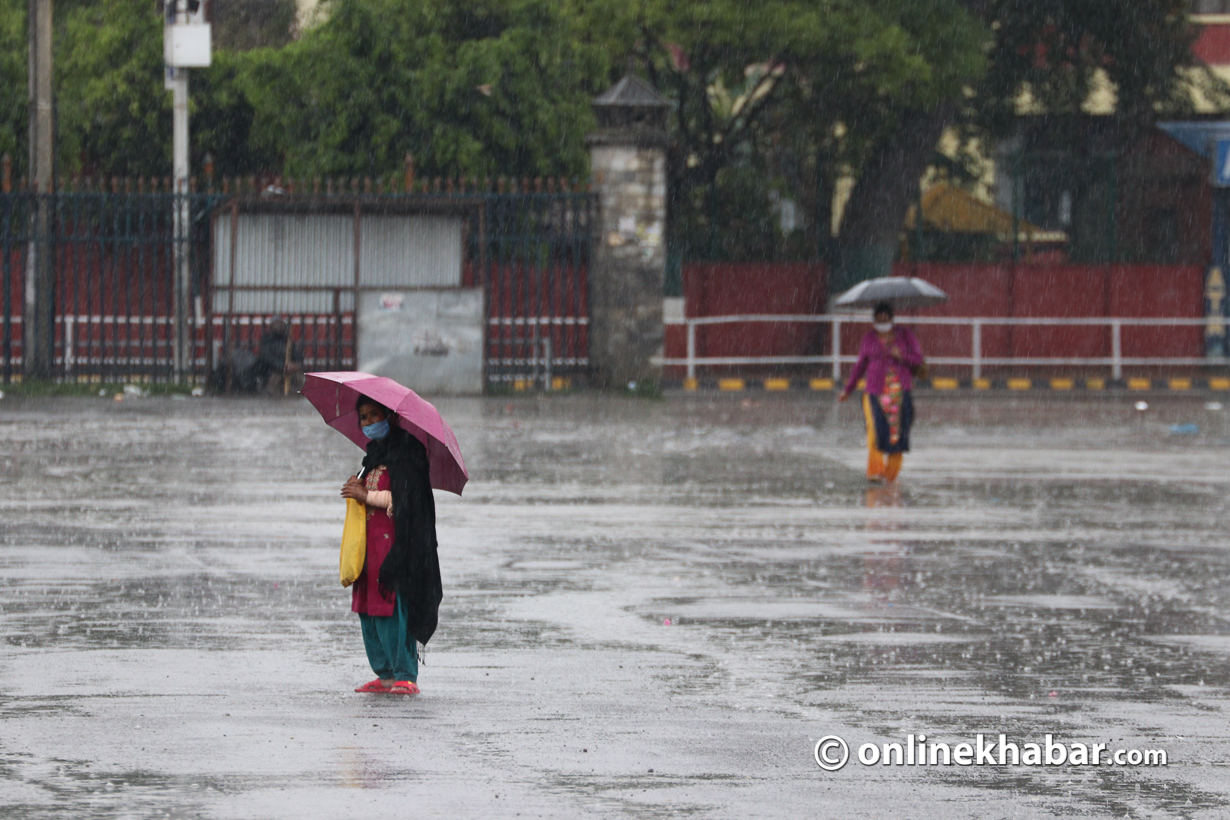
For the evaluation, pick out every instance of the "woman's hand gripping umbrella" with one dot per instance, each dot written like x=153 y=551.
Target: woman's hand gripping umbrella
x=410 y=449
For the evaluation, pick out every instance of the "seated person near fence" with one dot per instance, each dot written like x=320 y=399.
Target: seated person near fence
x=274 y=359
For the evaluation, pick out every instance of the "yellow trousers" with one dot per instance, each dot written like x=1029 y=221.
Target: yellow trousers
x=879 y=466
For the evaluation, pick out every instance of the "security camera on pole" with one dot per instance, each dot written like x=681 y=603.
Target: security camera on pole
x=186 y=44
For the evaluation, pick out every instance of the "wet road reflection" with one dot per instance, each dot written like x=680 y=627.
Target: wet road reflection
x=698 y=587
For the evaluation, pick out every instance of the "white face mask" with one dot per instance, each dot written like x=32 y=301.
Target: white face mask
x=882 y=327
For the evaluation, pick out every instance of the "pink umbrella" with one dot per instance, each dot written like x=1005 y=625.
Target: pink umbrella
x=334 y=395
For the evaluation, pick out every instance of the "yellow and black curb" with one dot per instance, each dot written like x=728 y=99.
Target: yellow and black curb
x=940 y=384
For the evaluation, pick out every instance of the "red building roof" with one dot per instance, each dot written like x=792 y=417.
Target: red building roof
x=1213 y=44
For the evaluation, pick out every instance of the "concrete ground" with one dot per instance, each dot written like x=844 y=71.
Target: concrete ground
x=652 y=609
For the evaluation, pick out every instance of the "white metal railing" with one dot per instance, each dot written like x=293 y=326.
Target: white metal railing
x=535 y=351
x=1116 y=361
x=540 y=365
x=84 y=343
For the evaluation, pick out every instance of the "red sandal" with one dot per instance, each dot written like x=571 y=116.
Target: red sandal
x=375 y=687
x=404 y=687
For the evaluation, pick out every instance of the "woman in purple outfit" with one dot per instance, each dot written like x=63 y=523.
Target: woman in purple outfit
x=886 y=359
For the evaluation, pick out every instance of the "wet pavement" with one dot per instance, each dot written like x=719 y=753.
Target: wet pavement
x=652 y=609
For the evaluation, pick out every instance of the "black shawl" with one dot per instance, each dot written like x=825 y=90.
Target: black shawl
x=412 y=568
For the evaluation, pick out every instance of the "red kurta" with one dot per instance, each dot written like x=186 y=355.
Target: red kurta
x=366 y=597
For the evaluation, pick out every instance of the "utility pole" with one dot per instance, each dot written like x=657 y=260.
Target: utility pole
x=39 y=323
x=186 y=44
x=179 y=163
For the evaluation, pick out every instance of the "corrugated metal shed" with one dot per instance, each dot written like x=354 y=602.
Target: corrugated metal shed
x=290 y=262
x=410 y=251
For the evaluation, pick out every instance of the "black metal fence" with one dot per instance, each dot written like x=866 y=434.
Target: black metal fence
x=534 y=252
x=126 y=307
x=15 y=232
x=122 y=281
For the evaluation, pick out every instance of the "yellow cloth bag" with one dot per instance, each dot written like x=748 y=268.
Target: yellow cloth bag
x=354 y=542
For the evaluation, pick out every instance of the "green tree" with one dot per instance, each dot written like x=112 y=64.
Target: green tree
x=13 y=94
x=1043 y=56
x=222 y=116
x=113 y=112
x=886 y=128
x=826 y=78
x=1062 y=51
x=471 y=87
x=474 y=87
x=804 y=93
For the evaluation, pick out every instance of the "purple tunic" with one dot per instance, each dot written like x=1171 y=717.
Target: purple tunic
x=875 y=358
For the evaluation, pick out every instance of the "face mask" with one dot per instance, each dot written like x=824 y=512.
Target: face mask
x=377 y=431
x=882 y=327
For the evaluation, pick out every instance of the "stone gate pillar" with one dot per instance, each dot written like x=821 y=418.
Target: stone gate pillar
x=628 y=168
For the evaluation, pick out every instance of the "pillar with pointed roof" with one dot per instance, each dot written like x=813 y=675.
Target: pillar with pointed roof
x=628 y=170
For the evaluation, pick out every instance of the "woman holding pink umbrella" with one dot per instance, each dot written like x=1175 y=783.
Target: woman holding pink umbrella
x=398 y=594
x=410 y=450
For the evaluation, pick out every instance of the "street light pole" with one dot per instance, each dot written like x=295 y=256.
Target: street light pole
x=187 y=44
x=38 y=352
x=179 y=86
x=179 y=152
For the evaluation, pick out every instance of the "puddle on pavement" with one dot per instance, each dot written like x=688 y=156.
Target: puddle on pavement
x=739 y=536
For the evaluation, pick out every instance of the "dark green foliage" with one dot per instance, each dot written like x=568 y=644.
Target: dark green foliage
x=222 y=119
x=775 y=99
x=471 y=88
x=741 y=220
x=13 y=93
x=113 y=113
x=1056 y=50
x=760 y=90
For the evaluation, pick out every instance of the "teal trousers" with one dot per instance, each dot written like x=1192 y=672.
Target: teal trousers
x=391 y=650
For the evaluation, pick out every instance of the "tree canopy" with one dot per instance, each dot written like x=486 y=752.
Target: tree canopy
x=13 y=89
x=471 y=87
x=113 y=113
x=1060 y=53
x=775 y=101
x=791 y=92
